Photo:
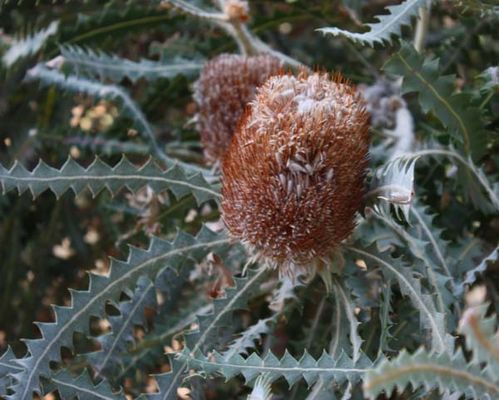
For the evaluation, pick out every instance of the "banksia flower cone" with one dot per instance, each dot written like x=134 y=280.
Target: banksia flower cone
x=225 y=87
x=293 y=177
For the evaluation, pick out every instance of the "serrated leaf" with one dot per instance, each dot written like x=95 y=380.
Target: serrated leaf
x=471 y=275
x=326 y=368
x=99 y=176
x=386 y=322
x=417 y=246
x=83 y=388
x=285 y=292
x=448 y=373
x=7 y=368
x=425 y=229
x=388 y=25
x=106 y=360
x=348 y=306
x=411 y=287
x=145 y=356
x=466 y=252
x=113 y=18
x=482 y=338
x=262 y=390
x=199 y=339
x=248 y=337
x=476 y=187
x=171 y=319
x=340 y=341
x=84 y=304
x=88 y=62
x=21 y=48
x=437 y=94
x=394 y=185
x=111 y=92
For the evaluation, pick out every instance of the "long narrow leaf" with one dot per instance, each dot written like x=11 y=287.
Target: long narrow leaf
x=99 y=176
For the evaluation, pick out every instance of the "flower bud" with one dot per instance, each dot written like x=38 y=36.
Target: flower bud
x=293 y=176
x=237 y=10
x=226 y=85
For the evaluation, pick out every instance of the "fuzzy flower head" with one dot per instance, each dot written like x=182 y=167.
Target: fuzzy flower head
x=293 y=177
x=225 y=87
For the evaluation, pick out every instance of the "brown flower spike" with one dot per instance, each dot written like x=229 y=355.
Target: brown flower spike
x=225 y=87
x=293 y=177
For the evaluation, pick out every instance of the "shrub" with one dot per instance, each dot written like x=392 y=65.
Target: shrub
x=297 y=233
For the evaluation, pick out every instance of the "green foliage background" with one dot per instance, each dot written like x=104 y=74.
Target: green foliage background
x=47 y=244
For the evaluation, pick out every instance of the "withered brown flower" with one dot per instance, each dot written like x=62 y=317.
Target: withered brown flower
x=293 y=176
x=226 y=85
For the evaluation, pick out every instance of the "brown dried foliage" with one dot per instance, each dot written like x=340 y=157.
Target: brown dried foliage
x=226 y=85
x=293 y=177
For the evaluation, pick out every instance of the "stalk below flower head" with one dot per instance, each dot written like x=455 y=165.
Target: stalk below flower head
x=226 y=85
x=293 y=176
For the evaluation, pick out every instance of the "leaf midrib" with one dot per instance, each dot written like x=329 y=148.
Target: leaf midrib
x=212 y=325
x=464 y=130
x=101 y=294
x=139 y=66
x=420 y=302
x=429 y=368
x=110 y=177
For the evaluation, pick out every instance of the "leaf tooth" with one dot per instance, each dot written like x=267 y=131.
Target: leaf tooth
x=307 y=361
x=254 y=361
x=325 y=360
x=136 y=255
x=125 y=165
x=117 y=268
x=17 y=171
x=364 y=361
x=61 y=313
x=183 y=239
x=85 y=304
x=388 y=25
x=289 y=362
x=106 y=66
x=100 y=176
x=47 y=329
x=158 y=246
x=97 y=282
x=24 y=362
x=41 y=169
x=270 y=360
x=83 y=386
x=235 y=359
x=227 y=371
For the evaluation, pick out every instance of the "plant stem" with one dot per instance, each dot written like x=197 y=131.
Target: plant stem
x=422 y=27
x=487 y=99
